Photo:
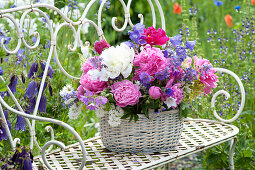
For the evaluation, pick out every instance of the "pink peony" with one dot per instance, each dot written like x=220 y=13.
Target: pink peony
x=125 y=93
x=151 y=60
x=94 y=86
x=101 y=45
x=207 y=74
x=155 y=92
x=80 y=92
x=87 y=66
x=154 y=37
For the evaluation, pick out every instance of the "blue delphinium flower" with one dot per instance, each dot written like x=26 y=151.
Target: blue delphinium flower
x=50 y=70
x=190 y=45
x=107 y=3
x=218 y=3
x=13 y=84
x=176 y=40
x=181 y=52
x=72 y=5
x=1 y=71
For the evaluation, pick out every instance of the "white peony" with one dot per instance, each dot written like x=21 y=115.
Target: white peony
x=170 y=102
x=118 y=60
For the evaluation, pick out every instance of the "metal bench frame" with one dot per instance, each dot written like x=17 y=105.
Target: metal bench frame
x=191 y=142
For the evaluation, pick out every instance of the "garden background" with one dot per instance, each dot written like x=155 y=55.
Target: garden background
x=225 y=35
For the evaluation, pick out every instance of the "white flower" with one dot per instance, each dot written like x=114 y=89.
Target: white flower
x=100 y=112
x=94 y=74
x=74 y=111
x=170 y=102
x=118 y=60
x=66 y=89
x=69 y=101
x=85 y=51
x=115 y=116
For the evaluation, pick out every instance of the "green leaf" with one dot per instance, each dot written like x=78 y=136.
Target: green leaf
x=125 y=116
x=247 y=152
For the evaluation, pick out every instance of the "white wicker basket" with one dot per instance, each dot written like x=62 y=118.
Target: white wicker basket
x=160 y=133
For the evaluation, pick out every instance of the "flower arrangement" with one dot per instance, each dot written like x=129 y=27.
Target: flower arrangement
x=149 y=72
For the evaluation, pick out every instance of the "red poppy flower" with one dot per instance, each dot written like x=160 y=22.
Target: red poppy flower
x=252 y=2
x=228 y=20
x=177 y=8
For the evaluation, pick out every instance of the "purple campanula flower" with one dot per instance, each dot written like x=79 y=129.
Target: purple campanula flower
x=33 y=69
x=145 y=78
x=3 y=133
x=176 y=40
x=42 y=105
x=50 y=70
x=139 y=27
x=1 y=71
x=130 y=44
x=101 y=100
x=135 y=36
x=13 y=84
x=162 y=75
x=31 y=90
x=20 y=123
x=190 y=45
x=165 y=52
x=169 y=91
x=85 y=100
x=44 y=19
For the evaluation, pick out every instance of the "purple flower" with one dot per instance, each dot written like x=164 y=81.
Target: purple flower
x=50 y=70
x=139 y=27
x=92 y=106
x=130 y=44
x=20 y=123
x=72 y=5
x=190 y=45
x=44 y=19
x=165 y=52
x=162 y=75
x=31 y=90
x=42 y=105
x=13 y=6
x=145 y=78
x=3 y=133
x=169 y=91
x=181 y=52
x=107 y=3
x=189 y=74
x=1 y=71
x=218 y=3
x=34 y=39
x=31 y=105
x=135 y=36
x=101 y=100
x=33 y=69
x=13 y=84
x=237 y=7
x=7 y=40
x=85 y=100
x=176 y=40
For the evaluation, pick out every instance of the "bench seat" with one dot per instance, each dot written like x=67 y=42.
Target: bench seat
x=198 y=135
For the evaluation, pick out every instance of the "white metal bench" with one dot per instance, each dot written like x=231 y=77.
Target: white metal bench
x=198 y=134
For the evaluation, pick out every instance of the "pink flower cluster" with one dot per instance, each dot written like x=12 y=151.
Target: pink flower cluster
x=126 y=93
x=151 y=60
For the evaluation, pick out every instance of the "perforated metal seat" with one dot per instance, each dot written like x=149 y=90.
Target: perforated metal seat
x=198 y=135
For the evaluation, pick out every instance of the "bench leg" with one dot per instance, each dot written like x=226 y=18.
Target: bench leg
x=231 y=152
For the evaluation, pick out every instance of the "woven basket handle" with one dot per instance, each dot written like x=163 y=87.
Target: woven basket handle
x=162 y=113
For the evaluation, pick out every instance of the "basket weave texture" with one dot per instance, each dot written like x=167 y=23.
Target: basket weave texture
x=160 y=133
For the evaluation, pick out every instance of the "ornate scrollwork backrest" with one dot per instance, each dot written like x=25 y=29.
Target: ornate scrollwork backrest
x=53 y=50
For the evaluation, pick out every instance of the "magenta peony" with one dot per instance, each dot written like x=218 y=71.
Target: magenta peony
x=126 y=93
x=101 y=45
x=151 y=60
x=155 y=92
x=94 y=86
x=154 y=37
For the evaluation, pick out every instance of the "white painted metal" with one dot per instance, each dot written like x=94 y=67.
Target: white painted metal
x=53 y=51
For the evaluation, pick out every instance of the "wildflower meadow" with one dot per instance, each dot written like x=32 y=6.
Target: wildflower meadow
x=218 y=33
